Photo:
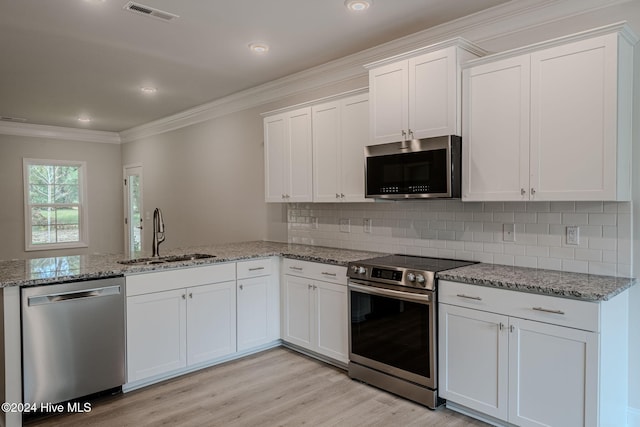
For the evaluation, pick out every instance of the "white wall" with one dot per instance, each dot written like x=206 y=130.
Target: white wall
x=104 y=191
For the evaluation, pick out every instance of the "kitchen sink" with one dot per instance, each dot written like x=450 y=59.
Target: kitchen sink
x=165 y=259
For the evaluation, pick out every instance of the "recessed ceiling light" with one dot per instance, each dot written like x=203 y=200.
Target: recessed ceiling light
x=84 y=119
x=358 y=5
x=148 y=89
x=259 y=47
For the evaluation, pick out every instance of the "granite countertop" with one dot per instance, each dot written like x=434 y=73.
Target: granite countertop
x=585 y=287
x=43 y=271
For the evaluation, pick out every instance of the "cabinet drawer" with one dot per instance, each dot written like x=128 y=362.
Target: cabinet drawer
x=182 y=278
x=315 y=270
x=254 y=268
x=542 y=308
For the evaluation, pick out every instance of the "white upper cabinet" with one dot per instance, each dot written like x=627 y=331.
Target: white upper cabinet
x=287 y=141
x=340 y=133
x=418 y=94
x=552 y=121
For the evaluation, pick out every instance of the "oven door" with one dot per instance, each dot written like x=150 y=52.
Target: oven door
x=393 y=332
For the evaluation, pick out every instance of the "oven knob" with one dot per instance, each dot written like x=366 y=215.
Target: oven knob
x=419 y=278
x=362 y=270
x=354 y=269
x=411 y=277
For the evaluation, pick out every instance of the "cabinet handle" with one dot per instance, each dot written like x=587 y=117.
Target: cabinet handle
x=315 y=287
x=501 y=326
x=341 y=196
x=256 y=268
x=511 y=328
x=295 y=268
x=469 y=297
x=404 y=135
x=522 y=192
x=410 y=134
x=190 y=295
x=328 y=274
x=241 y=287
x=546 y=310
x=184 y=296
x=310 y=286
x=533 y=191
x=337 y=196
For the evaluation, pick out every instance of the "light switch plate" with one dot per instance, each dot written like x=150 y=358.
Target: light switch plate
x=573 y=235
x=367 y=225
x=345 y=225
x=509 y=232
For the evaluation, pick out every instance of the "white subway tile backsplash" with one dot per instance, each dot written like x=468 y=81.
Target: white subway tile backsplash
x=474 y=231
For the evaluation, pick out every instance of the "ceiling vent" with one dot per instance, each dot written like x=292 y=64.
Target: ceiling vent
x=150 y=11
x=12 y=119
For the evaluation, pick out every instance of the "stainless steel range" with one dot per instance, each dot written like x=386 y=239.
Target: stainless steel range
x=392 y=333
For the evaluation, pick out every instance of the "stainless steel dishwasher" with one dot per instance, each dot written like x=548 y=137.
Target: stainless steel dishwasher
x=73 y=339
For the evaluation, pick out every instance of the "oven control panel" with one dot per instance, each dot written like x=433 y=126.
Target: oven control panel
x=394 y=276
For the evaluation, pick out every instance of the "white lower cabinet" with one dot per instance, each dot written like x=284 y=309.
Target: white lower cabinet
x=315 y=312
x=258 y=305
x=530 y=371
x=178 y=319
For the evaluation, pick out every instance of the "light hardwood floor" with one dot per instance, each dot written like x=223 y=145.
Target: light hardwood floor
x=278 y=387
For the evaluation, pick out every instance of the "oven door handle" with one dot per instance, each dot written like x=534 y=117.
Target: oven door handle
x=372 y=290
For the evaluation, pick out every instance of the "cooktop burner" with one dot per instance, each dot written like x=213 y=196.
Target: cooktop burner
x=403 y=270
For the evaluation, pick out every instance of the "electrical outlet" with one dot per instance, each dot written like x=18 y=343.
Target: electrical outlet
x=314 y=222
x=573 y=235
x=509 y=232
x=345 y=225
x=367 y=225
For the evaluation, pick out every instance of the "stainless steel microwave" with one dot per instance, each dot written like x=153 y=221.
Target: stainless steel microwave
x=420 y=168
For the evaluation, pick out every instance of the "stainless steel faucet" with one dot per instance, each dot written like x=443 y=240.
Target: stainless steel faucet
x=158 y=231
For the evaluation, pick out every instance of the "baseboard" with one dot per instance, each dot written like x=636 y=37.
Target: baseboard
x=633 y=417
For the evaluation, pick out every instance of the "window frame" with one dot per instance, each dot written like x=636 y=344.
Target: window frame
x=83 y=222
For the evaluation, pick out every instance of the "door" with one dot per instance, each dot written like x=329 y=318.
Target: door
x=298 y=311
x=474 y=353
x=574 y=124
x=327 y=144
x=495 y=134
x=254 y=320
x=553 y=375
x=133 y=214
x=211 y=321
x=156 y=334
x=354 y=136
x=331 y=320
x=276 y=148
x=432 y=94
x=389 y=88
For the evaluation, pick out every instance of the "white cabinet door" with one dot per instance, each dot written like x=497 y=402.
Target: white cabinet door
x=156 y=334
x=473 y=353
x=495 y=133
x=389 y=107
x=327 y=143
x=298 y=311
x=340 y=133
x=211 y=322
x=256 y=315
x=354 y=137
x=433 y=94
x=287 y=139
x=574 y=120
x=276 y=148
x=553 y=375
x=299 y=188
x=331 y=320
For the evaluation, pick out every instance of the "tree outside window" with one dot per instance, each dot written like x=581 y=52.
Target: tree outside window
x=55 y=204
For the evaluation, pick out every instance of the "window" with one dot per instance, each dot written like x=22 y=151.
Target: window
x=55 y=204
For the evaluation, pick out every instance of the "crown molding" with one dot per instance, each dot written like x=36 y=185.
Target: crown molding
x=500 y=21
x=58 y=132
x=314 y=102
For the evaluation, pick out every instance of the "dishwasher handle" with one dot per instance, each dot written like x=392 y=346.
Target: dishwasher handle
x=75 y=295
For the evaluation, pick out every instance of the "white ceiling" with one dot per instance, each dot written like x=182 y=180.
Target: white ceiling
x=65 y=58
